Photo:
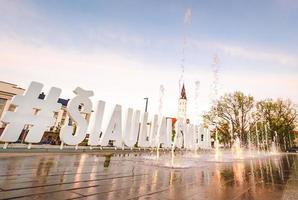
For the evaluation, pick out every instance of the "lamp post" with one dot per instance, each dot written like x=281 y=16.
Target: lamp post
x=146 y=107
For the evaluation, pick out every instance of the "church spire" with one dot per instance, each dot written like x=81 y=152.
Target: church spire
x=183 y=93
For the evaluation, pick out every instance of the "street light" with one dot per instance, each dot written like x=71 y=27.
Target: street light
x=146 y=107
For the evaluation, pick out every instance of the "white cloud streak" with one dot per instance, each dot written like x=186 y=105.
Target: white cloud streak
x=248 y=52
x=124 y=80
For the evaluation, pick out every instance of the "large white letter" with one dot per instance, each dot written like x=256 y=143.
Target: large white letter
x=189 y=137
x=143 y=137
x=165 y=132
x=96 y=123
x=114 y=129
x=153 y=131
x=82 y=99
x=130 y=132
x=23 y=115
x=180 y=128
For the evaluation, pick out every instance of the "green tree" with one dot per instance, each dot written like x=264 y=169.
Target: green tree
x=279 y=117
x=238 y=115
x=231 y=117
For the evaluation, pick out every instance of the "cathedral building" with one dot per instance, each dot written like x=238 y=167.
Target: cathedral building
x=182 y=104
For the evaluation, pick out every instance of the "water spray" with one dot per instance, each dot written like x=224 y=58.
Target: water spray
x=186 y=22
x=215 y=82
x=197 y=87
x=161 y=97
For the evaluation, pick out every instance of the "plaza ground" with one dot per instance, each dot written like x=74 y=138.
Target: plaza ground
x=137 y=175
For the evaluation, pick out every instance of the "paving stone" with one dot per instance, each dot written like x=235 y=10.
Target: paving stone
x=92 y=176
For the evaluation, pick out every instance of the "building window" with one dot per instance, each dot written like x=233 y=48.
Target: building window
x=2 y=105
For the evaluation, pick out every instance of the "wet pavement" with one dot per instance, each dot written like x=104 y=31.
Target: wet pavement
x=139 y=176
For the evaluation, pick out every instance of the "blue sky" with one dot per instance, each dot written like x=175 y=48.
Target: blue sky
x=124 y=50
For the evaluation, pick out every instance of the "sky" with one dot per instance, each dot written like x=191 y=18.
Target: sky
x=125 y=50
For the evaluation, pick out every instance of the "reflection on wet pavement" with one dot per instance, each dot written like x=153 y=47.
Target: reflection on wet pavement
x=135 y=176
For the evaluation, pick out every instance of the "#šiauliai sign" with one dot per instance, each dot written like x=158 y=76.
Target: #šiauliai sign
x=122 y=129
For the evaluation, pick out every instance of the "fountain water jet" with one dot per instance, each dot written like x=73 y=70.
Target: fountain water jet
x=216 y=145
x=172 y=157
x=157 y=153
x=250 y=148
x=257 y=135
x=274 y=148
x=237 y=148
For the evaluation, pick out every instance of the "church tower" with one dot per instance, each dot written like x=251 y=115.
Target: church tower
x=182 y=104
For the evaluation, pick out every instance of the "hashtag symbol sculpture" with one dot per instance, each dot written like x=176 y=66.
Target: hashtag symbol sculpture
x=32 y=111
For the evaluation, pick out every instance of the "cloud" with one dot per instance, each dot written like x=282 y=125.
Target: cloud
x=114 y=77
x=262 y=85
x=249 y=52
x=117 y=78
x=258 y=54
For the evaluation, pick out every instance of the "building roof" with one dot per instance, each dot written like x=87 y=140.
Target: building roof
x=183 y=93
x=9 y=89
x=12 y=84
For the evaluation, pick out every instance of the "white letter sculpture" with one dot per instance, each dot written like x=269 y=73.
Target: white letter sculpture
x=153 y=139
x=189 y=136
x=40 y=119
x=180 y=129
x=130 y=132
x=82 y=99
x=164 y=135
x=97 y=118
x=143 y=137
x=114 y=129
